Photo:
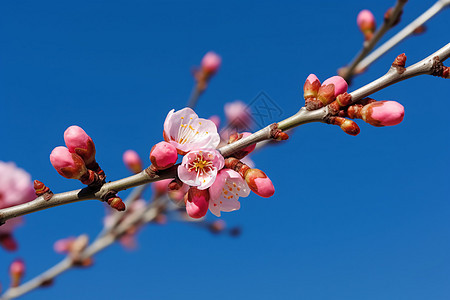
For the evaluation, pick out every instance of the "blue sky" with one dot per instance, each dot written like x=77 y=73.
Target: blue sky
x=361 y=217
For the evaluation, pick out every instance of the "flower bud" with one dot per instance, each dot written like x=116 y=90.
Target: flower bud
x=383 y=113
x=238 y=115
x=8 y=242
x=116 y=203
x=80 y=143
x=259 y=183
x=161 y=187
x=16 y=271
x=63 y=245
x=69 y=165
x=211 y=62
x=217 y=226
x=163 y=155
x=366 y=23
x=197 y=202
x=132 y=160
x=331 y=88
x=311 y=87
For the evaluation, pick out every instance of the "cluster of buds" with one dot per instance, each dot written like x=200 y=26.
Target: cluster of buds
x=77 y=161
x=366 y=23
x=333 y=92
x=318 y=95
x=209 y=66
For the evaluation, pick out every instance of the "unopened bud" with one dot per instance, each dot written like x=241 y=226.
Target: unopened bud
x=163 y=155
x=161 y=187
x=132 y=160
x=80 y=143
x=348 y=126
x=366 y=23
x=16 y=271
x=116 y=203
x=311 y=86
x=383 y=113
x=238 y=115
x=63 y=245
x=8 y=242
x=259 y=183
x=211 y=62
x=331 y=88
x=217 y=226
x=67 y=164
x=197 y=202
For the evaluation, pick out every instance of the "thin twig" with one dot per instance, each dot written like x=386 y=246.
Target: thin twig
x=401 y=35
x=348 y=71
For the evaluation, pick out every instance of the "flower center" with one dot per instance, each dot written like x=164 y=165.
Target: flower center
x=201 y=165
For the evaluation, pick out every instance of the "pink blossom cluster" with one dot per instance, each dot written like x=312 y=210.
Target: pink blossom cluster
x=206 y=183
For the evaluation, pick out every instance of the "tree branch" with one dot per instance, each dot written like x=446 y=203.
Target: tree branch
x=402 y=34
x=348 y=71
x=303 y=116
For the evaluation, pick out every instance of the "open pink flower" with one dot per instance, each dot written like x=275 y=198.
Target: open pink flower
x=226 y=190
x=199 y=168
x=186 y=131
x=15 y=185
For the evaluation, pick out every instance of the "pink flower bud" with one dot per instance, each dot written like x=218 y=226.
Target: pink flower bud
x=132 y=160
x=383 y=113
x=197 y=202
x=8 y=242
x=68 y=165
x=366 y=23
x=259 y=183
x=63 y=245
x=211 y=62
x=217 y=226
x=161 y=187
x=311 y=86
x=163 y=155
x=330 y=88
x=16 y=271
x=238 y=115
x=80 y=143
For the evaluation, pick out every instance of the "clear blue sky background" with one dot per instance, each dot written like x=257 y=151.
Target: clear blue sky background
x=362 y=217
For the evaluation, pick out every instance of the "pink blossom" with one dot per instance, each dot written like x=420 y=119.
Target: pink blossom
x=199 y=168
x=132 y=160
x=211 y=62
x=186 y=131
x=15 y=186
x=238 y=115
x=226 y=190
x=365 y=18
